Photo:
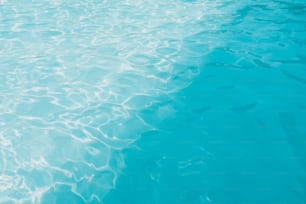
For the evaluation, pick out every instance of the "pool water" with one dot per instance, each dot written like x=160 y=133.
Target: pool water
x=153 y=102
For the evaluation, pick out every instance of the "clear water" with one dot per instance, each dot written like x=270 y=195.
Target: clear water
x=127 y=102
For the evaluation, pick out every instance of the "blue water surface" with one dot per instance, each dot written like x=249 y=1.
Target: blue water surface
x=153 y=102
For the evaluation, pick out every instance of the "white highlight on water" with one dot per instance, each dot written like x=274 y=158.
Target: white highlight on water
x=74 y=76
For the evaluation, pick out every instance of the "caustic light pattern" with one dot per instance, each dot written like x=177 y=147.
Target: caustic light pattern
x=74 y=76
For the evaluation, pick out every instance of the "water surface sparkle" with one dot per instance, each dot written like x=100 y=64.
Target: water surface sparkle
x=152 y=102
x=74 y=76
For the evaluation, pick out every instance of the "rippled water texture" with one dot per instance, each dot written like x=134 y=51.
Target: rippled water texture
x=74 y=76
x=83 y=81
x=239 y=131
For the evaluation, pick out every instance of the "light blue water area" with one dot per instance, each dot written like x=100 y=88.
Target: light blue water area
x=152 y=102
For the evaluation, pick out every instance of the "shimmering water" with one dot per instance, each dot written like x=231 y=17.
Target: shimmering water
x=126 y=102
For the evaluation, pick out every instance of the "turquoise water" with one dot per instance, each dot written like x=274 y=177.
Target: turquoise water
x=153 y=102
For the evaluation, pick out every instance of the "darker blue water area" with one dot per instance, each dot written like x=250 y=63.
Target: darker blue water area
x=206 y=155
x=239 y=130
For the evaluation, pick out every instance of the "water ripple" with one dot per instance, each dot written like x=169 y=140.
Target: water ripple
x=74 y=77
